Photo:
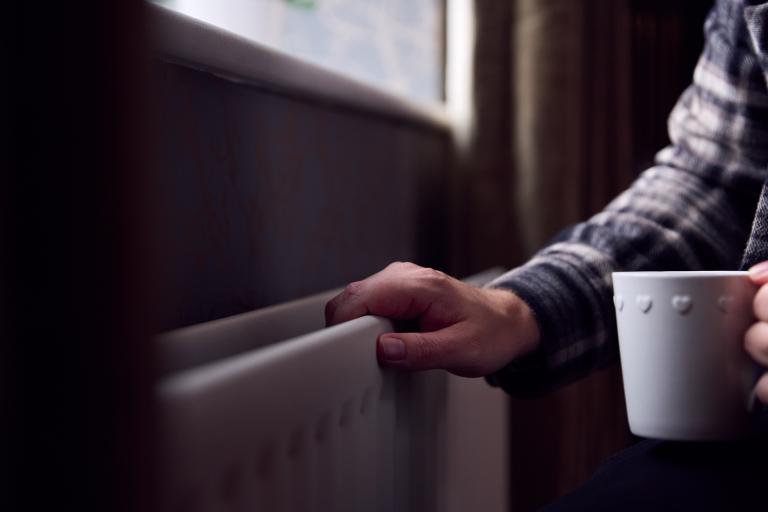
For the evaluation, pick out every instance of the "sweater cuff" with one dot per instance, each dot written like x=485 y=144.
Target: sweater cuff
x=576 y=336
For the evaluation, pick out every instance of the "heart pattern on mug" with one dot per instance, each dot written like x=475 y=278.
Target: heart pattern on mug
x=724 y=303
x=682 y=303
x=618 y=301
x=644 y=302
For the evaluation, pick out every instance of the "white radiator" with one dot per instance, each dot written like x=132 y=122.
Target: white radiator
x=270 y=411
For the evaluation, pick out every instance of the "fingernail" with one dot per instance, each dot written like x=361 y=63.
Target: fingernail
x=393 y=349
x=759 y=269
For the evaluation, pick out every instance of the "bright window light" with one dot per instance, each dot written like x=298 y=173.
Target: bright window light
x=397 y=45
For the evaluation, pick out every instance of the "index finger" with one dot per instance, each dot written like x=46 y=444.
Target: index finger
x=390 y=293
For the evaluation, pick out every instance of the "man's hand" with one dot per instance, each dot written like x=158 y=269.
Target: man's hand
x=756 y=338
x=466 y=330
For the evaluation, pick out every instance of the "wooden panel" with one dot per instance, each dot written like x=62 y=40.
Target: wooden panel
x=270 y=197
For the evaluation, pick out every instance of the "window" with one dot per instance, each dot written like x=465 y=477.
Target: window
x=397 y=45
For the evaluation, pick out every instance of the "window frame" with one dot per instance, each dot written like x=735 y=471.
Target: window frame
x=187 y=41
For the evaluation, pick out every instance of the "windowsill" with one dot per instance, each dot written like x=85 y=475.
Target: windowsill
x=188 y=41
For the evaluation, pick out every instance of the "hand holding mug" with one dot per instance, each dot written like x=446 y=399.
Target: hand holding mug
x=756 y=338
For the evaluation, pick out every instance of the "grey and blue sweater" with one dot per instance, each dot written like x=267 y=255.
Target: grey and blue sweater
x=704 y=205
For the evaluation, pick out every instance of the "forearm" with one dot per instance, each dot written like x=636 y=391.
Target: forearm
x=669 y=219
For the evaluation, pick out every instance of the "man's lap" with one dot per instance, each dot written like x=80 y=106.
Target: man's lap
x=666 y=475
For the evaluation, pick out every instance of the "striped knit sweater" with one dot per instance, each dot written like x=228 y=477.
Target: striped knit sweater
x=704 y=205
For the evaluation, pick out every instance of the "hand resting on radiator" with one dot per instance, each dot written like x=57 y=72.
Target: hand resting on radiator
x=466 y=330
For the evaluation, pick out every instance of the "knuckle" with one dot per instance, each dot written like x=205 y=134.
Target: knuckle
x=400 y=264
x=435 y=277
x=756 y=338
x=427 y=353
x=353 y=290
x=760 y=303
x=761 y=389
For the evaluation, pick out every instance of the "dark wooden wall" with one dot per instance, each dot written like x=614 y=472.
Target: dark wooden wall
x=268 y=197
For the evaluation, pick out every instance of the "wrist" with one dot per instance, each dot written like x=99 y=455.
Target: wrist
x=520 y=323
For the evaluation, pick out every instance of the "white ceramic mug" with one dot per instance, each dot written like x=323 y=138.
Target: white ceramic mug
x=681 y=339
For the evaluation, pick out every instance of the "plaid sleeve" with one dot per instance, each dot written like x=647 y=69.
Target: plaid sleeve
x=693 y=210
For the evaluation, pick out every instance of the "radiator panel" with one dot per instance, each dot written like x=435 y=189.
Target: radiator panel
x=313 y=423
x=323 y=420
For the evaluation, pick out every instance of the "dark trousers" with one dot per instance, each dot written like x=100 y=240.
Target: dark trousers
x=665 y=475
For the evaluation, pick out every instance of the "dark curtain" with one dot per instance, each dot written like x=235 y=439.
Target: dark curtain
x=571 y=100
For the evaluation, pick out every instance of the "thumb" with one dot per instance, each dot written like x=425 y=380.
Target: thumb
x=759 y=273
x=418 y=350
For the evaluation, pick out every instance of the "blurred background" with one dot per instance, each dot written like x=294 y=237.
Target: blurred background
x=149 y=191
